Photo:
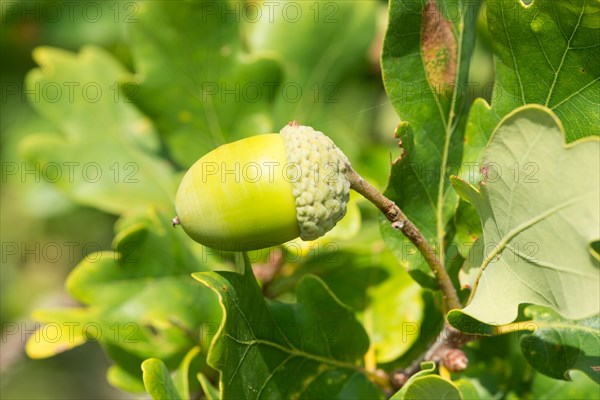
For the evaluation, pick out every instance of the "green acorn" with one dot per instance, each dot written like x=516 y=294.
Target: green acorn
x=264 y=190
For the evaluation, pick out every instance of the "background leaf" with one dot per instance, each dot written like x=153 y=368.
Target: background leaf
x=425 y=61
x=432 y=387
x=559 y=345
x=364 y=275
x=545 y=388
x=427 y=368
x=538 y=221
x=72 y=333
x=310 y=348
x=157 y=380
x=197 y=79
x=320 y=82
x=497 y=368
x=142 y=301
x=100 y=150
x=211 y=392
x=161 y=384
x=544 y=55
x=182 y=377
x=194 y=69
x=425 y=384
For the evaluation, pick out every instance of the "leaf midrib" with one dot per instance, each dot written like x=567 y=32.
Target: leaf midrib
x=567 y=48
x=440 y=224
x=293 y=352
x=515 y=231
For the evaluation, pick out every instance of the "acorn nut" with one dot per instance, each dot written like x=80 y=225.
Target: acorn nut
x=264 y=190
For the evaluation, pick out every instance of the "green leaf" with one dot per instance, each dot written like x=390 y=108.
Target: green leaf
x=393 y=315
x=496 y=368
x=425 y=384
x=148 y=285
x=468 y=228
x=197 y=80
x=339 y=51
x=99 y=149
x=427 y=368
x=470 y=269
x=545 y=388
x=538 y=207
x=160 y=384
x=124 y=379
x=310 y=348
x=70 y=334
x=425 y=62
x=319 y=85
x=157 y=380
x=559 y=345
x=467 y=389
x=546 y=58
x=142 y=301
x=211 y=392
x=364 y=275
x=544 y=55
x=432 y=387
x=181 y=376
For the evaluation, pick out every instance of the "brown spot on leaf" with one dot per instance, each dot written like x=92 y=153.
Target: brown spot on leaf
x=402 y=130
x=400 y=157
x=438 y=49
x=484 y=170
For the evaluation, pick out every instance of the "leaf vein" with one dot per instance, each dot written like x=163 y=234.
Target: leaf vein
x=297 y=352
x=512 y=53
x=518 y=229
x=272 y=374
x=567 y=48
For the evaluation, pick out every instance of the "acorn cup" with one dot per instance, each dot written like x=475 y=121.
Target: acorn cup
x=264 y=190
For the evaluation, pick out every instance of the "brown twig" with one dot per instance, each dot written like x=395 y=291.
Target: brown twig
x=445 y=349
x=401 y=222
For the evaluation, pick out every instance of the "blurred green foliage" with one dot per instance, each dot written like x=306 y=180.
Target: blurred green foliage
x=44 y=234
x=48 y=228
x=177 y=80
